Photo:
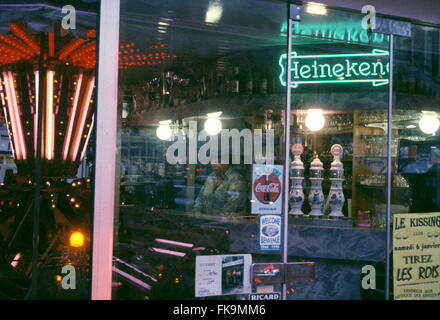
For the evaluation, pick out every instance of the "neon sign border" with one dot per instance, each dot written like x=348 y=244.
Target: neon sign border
x=294 y=84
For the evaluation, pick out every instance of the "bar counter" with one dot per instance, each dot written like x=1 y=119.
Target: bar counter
x=339 y=250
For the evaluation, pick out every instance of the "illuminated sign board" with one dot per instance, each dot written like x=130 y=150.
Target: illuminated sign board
x=370 y=68
x=347 y=30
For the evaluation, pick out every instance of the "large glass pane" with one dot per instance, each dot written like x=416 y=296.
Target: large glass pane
x=416 y=164
x=339 y=115
x=47 y=82
x=200 y=106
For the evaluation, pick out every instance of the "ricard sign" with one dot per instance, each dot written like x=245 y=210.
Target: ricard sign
x=372 y=68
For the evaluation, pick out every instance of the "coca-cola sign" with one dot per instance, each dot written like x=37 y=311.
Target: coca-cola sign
x=266 y=189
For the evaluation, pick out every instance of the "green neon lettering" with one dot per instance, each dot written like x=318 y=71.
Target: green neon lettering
x=364 y=69
x=351 y=67
x=354 y=36
x=375 y=66
x=340 y=36
x=315 y=70
x=336 y=68
x=323 y=74
x=295 y=69
x=363 y=37
x=305 y=71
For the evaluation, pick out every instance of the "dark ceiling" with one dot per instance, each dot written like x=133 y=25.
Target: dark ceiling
x=40 y=15
x=78 y=4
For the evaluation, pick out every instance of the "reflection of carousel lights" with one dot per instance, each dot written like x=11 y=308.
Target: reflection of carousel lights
x=76 y=239
x=130 y=56
x=67 y=115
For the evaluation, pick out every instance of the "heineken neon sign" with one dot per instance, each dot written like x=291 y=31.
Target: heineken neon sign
x=337 y=68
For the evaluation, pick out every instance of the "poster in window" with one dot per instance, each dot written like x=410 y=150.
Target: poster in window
x=218 y=275
x=416 y=256
x=270 y=232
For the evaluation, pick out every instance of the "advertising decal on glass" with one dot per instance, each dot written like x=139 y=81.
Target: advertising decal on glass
x=266 y=189
x=270 y=232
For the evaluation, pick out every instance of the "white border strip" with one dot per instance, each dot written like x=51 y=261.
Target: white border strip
x=105 y=160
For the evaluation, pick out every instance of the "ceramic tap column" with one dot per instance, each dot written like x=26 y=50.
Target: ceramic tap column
x=296 y=178
x=316 y=196
x=336 y=197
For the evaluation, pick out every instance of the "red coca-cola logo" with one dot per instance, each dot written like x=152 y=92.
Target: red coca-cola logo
x=267 y=188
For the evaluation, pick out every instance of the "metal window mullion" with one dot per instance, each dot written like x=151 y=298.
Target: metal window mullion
x=287 y=153
x=389 y=167
x=105 y=156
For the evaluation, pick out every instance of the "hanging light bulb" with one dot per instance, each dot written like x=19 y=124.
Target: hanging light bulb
x=429 y=123
x=164 y=132
x=214 y=12
x=213 y=125
x=316 y=8
x=315 y=120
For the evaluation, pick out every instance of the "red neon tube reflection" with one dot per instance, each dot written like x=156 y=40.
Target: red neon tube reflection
x=2 y=97
x=50 y=117
x=37 y=97
x=88 y=138
x=85 y=105
x=72 y=117
x=15 y=117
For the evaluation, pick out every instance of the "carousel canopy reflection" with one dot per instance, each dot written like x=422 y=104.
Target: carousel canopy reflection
x=66 y=73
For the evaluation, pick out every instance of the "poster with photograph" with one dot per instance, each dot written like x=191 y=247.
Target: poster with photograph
x=416 y=256
x=223 y=275
x=267 y=189
x=270 y=232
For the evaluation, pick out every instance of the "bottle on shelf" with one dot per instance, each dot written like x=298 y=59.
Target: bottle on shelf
x=271 y=80
x=248 y=85
x=297 y=136
x=235 y=83
x=262 y=83
x=267 y=187
x=221 y=84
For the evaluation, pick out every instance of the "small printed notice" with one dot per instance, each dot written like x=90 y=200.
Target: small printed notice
x=270 y=232
x=416 y=256
x=223 y=275
x=267 y=189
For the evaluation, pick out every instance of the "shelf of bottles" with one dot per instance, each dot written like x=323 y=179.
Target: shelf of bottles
x=375 y=146
x=378 y=180
x=209 y=79
x=338 y=123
